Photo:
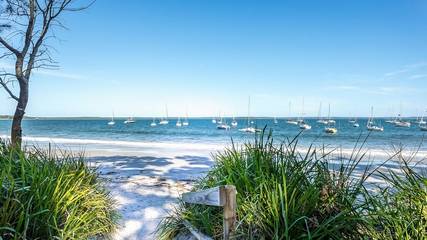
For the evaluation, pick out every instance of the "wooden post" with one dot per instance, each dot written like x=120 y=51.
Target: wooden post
x=228 y=194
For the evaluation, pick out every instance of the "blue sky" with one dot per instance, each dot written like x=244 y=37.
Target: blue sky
x=135 y=56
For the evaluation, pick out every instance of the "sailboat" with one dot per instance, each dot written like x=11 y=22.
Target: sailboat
x=290 y=120
x=423 y=127
x=400 y=122
x=421 y=121
x=249 y=127
x=303 y=125
x=186 y=123
x=234 y=122
x=370 y=125
x=129 y=120
x=223 y=125
x=178 y=123
x=165 y=121
x=112 y=122
x=275 y=121
x=319 y=116
x=153 y=123
x=355 y=123
x=330 y=121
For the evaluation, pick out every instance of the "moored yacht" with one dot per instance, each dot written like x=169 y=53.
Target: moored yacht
x=178 y=122
x=371 y=126
x=234 y=122
x=319 y=117
x=153 y=123
x=304 y=126
x=249 y=128
x=112 y=122
x=165 y=121
x=129 y=120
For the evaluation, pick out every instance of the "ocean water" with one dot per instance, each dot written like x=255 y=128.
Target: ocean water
x=202 y=130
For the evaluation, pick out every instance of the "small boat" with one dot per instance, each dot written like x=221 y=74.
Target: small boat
x=423 y=127
x=304 y=126
x=164 y=121
x=129 y=120
x=275 y=121
x=186 y=123
x=402 y=123
x=234 y=123
x=178 y=123
x=153 y=123
x=352 y=121
x=290 y=120
x=329 y=120
x=370 y=125
x=319 y=116
x=213 y=120
x=293 y=122
x=322 y=121
x=112 y=122
x=356 y=125
x=331 y=130
x=249 y=128
x=421 y=121
x=223 y=126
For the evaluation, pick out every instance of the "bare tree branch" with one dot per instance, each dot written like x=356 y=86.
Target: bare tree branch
x=4 y=84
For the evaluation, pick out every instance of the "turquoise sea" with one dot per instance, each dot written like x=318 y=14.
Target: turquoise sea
x=202 y=130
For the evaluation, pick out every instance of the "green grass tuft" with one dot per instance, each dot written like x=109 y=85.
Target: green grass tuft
x=284 y=194
x=48 y=196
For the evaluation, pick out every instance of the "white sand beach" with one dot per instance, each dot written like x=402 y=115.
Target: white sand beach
x=146 y=182
x=145 y=179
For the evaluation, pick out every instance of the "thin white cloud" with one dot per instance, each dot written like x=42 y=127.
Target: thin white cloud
x=411 y=71
x=49 y=73
x=418 y=76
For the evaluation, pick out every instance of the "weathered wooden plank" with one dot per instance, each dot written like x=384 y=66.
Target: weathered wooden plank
x=228 y=194
x=209 y=196
x=196 y=233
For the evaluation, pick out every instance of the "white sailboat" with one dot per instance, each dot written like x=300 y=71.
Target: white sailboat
x=178 y=123
x=301 y=123
x=223 y=125
x=165 y=121
x=153 y=123
x=400 y=122
x=112 y=122
x=421 y=120
x=423 y=127
x=275 y=121
x=370 y=125
x=319 y=116
x=249 y=128
x=330 y=121
x=290 y=120
x=234 y=122
x=330 y=128
x=186 y=123
x=129 y=120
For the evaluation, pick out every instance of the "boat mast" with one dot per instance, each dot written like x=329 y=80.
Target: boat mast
x=249 y=110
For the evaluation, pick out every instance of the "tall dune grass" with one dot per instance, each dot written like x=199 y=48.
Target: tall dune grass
x=46 y=196
x=283 y=194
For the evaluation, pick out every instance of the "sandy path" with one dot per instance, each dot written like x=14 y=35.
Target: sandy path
x=146 y=185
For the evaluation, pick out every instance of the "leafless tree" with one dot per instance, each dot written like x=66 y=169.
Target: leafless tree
x=26 y=26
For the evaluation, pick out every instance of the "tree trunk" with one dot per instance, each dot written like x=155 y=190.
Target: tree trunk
x=16 y=131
